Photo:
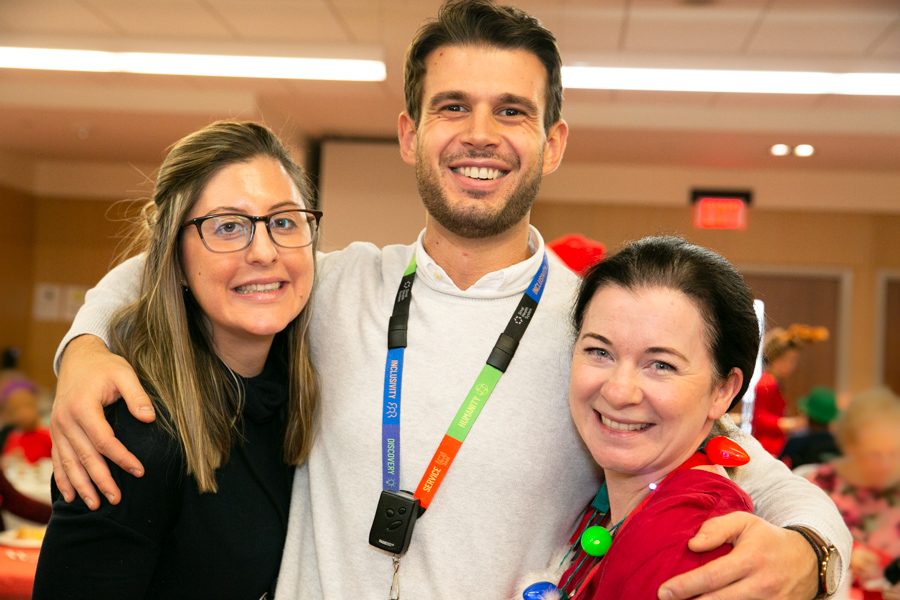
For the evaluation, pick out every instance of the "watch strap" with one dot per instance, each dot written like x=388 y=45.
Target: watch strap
x=824 y=551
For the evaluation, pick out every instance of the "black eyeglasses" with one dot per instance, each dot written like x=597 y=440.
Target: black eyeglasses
x=295 y=228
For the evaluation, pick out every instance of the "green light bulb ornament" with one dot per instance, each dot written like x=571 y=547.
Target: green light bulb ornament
x=596 y=540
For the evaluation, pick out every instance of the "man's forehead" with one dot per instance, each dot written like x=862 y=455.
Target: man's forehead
x=455 y=67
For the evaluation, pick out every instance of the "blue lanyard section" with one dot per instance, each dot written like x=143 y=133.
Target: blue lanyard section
x=390 y=422
x=500 y=357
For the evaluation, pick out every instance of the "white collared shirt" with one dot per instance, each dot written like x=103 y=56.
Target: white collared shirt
x=512 y=279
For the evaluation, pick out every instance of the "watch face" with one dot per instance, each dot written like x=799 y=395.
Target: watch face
x=833 y=567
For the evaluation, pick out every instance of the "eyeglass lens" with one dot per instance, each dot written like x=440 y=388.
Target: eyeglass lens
x=288 y=229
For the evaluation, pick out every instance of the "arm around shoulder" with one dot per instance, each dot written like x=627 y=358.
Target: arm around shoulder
x=783 y=499
x=91 y=377
x=768 y=562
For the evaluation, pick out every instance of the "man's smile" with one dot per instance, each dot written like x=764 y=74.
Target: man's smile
x=480 y=172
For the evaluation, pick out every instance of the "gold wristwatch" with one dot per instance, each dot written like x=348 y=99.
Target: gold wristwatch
x=827 y=558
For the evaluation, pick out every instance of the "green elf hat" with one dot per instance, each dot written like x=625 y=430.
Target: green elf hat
x=819 y=405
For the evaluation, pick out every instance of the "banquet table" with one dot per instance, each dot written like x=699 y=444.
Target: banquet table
x=17 y=566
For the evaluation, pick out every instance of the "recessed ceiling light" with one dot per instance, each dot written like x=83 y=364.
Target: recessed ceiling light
x=804 y=150
x=780 y=150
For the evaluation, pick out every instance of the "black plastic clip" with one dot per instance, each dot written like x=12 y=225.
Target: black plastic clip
x=503 y=352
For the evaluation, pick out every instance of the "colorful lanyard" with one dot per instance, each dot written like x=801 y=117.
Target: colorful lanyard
x=496 y=365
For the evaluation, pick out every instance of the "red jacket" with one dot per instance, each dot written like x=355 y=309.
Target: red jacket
x=767 y=409
x=652 y=547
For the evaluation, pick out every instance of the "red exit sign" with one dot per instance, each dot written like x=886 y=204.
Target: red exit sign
x=720 y=210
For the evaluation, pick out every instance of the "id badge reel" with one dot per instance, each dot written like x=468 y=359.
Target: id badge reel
x=394 y=521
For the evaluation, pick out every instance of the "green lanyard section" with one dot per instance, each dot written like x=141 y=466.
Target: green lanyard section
x=478 y=396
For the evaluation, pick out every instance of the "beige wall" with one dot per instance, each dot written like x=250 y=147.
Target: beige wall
x=369 y=193
x=75 y=243
x=16 y=266
x=57 y=241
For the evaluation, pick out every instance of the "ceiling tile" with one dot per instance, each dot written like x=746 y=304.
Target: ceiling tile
x=888 y=46
x=589 y=30
x=831 y=5
x=51 y=17
x=701 y=6
x=366 y=24
x=163 y=19
x=309 y=21
x=835 y=33
x=688 y=31
x=400 y=24
x=607 y=4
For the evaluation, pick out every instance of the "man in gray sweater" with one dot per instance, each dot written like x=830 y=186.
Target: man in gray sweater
x=482 y=126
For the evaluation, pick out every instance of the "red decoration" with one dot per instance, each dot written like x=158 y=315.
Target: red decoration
x=577 y=251
x=725 y=452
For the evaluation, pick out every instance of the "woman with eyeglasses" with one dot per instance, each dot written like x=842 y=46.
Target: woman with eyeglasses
x=218 y=337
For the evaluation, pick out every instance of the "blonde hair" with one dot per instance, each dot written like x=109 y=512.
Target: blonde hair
x=163 y=334
x=877 y=404
x=778 y=341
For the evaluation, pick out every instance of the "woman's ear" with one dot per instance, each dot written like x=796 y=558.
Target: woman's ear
x=182 y=279
x=725 y=393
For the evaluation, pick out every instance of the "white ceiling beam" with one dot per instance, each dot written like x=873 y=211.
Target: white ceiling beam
x=701 y=118
x=154 y=100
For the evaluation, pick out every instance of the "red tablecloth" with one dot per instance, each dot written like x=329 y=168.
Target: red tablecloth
x=16 y=574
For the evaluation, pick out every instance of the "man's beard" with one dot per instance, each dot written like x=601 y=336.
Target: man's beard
x=473 y=223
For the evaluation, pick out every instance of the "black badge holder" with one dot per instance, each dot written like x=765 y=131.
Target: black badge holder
x=394 y=521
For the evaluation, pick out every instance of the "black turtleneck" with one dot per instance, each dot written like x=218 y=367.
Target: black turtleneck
x=167 y=540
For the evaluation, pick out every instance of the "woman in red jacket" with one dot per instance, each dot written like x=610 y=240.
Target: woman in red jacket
x=781 y=353
x=666 y=343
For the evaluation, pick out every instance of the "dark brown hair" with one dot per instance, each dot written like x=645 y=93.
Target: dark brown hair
x=483 y=23
x=724 y=300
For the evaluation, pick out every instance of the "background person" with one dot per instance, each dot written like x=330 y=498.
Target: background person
x=23 y=434
x=20 y=505
x=817 y=445
x=9 y=363
x=218 y=338
x=781 y=353
x=24 y=440
x=865 y=484
x=484 y=93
